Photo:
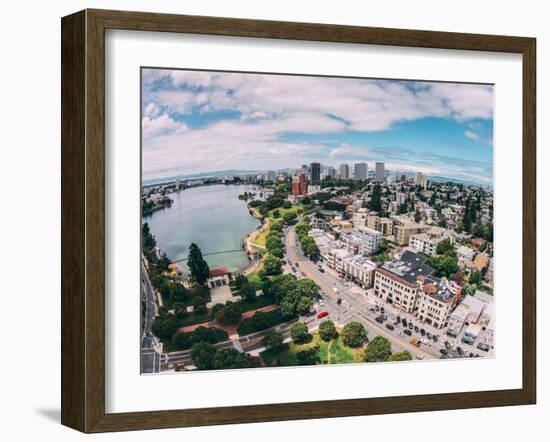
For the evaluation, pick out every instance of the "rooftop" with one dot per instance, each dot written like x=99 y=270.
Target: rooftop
x=220 y=271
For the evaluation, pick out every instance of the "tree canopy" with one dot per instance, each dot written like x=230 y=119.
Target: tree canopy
x=378 y=350
x=299 y=333
x=327 y=330
x=198 y=268
x=353 y=334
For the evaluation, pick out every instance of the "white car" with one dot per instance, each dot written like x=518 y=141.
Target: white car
x=321 y=302
x=335 y=289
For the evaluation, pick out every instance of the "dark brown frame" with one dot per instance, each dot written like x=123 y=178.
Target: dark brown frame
x=83 y=216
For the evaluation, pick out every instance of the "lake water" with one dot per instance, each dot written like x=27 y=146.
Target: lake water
x=213 y=217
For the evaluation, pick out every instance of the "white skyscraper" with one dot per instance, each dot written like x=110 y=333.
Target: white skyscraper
x=379 y=172
x=421 y=180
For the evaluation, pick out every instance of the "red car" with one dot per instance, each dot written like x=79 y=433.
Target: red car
x=322 y=314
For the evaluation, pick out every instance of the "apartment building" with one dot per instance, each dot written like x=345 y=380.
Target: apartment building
x=360 y=270
x=398 y=282
x=404 y=232
x=436 y=300
x=427 y=242
x=410 y=285
x=363 y=240
x=383 y=225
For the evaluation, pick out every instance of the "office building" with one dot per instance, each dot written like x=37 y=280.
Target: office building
x=315 y=171
x=344 y=171
x=360 y=171
x=299 y=184
x=379 y=170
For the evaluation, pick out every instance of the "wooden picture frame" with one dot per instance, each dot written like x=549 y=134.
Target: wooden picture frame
x=83 y=219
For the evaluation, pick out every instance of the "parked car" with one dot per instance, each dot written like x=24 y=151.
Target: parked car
x=404 y=322
x=379 y=319
x=390 y=327
x=428 y=335
x=381 y=309
x=416 y=328
x=321 y=302
x=435 y=338
x=423 y=332
x=407 y=332
x=443 y=351
x=297 y=265
x=339 y=301
x=321 y=269
x=322 y=314
x=410 y=325
x=398 y=319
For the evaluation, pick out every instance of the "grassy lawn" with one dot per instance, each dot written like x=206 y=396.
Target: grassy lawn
x=297 y=209
x=333 y=352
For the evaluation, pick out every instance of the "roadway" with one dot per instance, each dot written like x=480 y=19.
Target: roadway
x=353 y=306
x=150 y=357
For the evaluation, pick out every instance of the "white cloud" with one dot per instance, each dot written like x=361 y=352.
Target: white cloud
x=163 y=125
x=151 y=110
x=271 y=106
x=471 y=135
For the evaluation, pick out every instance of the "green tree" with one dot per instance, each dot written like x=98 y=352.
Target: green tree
x=228 y=358
x=164 y=326
x=304 y=304
x=402 y=208
x=299 y=333
x=309 y=356
x=400 y=356
x=248 y=292
x=476 y=278
x=229 y=313
x=467 y=220
x=272 y=265
x=272 y=339
x=276 y=213
x=375 y=203
x=198 y=268
x=309 y=247
x=240 y=280
x=199 y=304
x=378 y=350
x=444 y=246
x=327 y=330
x=289 y=217
x=353 y=334
x=203 y=354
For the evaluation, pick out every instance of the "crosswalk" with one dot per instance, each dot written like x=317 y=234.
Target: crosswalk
x=237 y=345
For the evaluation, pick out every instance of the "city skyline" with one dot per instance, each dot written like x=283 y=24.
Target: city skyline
x=199 y=122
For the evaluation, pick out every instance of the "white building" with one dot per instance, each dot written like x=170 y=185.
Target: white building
x=465 y=255
x=427 y=242
x=363 y=240
x=360 y=270
x=344 y=171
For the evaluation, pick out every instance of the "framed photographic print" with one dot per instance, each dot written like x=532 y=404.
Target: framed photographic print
x=308 y=220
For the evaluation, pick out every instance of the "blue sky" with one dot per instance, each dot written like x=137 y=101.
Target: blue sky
x=198 y=121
